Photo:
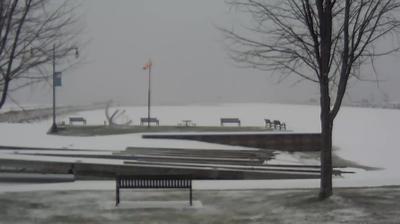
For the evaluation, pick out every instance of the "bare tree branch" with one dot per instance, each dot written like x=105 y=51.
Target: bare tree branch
x=323 y=41
x=28 y=31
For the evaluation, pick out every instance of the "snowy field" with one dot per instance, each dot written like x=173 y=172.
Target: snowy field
x=366 y=136
x=351 y=206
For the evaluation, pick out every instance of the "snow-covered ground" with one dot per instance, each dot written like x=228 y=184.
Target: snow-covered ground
x=367 y=136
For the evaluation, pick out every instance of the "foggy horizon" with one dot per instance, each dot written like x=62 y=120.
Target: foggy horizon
x=190 y=61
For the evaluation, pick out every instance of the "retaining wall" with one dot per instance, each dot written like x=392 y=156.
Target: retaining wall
x=276 y=141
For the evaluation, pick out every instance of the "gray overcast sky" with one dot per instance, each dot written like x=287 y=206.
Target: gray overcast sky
x=190 y=64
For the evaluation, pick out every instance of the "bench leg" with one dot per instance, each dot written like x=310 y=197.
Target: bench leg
x=191 y=196
x=117 y=197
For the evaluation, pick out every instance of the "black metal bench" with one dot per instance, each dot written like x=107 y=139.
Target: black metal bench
x=77 y=119
x=153 y=182
x=230 y=120
x=150 y=120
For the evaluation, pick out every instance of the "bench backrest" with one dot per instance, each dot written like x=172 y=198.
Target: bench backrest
x=145 y=119
x=154 y=182
x=230 y=120
x=77 y=119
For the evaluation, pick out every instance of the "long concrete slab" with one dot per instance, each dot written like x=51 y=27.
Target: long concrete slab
x=163 y=158
x=36 y=177
x=109 y=171
x=276 y=141
x=233 y=153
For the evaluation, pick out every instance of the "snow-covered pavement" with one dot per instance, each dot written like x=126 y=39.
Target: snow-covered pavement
x=367 y=136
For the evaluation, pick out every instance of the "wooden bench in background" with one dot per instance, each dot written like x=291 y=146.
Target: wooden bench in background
x=77 y=119
x=146 y=120
x=230 y=120
x=153 y=182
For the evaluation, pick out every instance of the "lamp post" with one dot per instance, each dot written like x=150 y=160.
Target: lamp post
x=54 y=128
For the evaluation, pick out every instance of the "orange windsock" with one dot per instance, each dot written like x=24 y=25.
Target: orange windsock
x=147 y=65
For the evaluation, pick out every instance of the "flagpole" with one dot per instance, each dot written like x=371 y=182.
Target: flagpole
x=149 y=96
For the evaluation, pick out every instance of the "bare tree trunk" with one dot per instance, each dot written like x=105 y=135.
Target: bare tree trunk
x=323 y=41
x=326 y=142
x=325 y=27
x=4 y=93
